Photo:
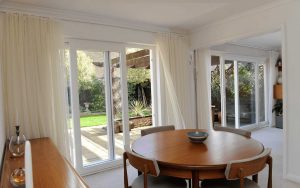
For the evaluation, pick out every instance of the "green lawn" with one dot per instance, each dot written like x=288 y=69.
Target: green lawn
x=89 y=121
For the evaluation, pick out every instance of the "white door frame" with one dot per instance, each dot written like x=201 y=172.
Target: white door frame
x=78 y=44
x=236 y=58
x=105 y=47
x=155 y=81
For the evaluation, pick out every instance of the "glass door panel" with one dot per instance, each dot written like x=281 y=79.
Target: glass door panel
x=216 y=90
x=229 y=79
x=246 y=88
x=67 y=62
x=92 y=106
x=243 y=91
x=138 y=63
x=115 y=72
x=261 y=92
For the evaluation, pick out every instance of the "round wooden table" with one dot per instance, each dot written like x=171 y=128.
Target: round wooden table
x=178 y=157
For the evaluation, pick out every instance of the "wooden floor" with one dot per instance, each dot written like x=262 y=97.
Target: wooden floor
x=95 y=143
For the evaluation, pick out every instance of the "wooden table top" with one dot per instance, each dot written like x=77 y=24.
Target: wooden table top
x=173 y=148
x=49 y=167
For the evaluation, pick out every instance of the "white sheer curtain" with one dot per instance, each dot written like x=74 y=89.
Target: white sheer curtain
x=33 y=76
x=177 y=72
x=202 y=58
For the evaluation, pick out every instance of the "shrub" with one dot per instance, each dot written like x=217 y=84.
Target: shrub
x=93 y=92
x=137 y=108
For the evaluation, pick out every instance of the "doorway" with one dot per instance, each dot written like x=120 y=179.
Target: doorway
x=110 y=100
x=238 y=93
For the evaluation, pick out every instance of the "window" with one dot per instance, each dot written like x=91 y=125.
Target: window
x=238 y=91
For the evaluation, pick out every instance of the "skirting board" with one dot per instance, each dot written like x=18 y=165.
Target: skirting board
x=293 y=178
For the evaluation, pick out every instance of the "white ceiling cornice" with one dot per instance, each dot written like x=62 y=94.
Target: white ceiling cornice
x=238 y=16
x=67 y=15
x=253 y=47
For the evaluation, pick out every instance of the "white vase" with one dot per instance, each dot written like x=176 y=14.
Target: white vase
x=279 y=78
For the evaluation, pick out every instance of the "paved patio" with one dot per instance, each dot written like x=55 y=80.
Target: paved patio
x=95 y=144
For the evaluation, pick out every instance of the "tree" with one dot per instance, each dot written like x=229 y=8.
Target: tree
x=86 y=69
x=86 y=72
x=138 y=75
x=138 y=81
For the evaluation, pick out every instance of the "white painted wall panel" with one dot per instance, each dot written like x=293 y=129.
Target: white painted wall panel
x=240 y=50
x=292 y=92
x=81 y=30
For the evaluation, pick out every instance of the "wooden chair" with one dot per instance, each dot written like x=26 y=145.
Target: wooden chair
x=232 y=130
x=237 y=171
x=150 y=173
x=145 y=132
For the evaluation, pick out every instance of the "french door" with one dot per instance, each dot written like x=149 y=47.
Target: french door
x=242 y=93
x=99 y=104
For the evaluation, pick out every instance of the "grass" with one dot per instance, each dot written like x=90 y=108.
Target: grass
x=96 y=120
x=90 y=121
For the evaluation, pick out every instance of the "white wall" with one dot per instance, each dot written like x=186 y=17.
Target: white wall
x=291 y=92
x=241 y=50
x=263 y=20
x=80 y=30
x=260 y=21
x=84 y=26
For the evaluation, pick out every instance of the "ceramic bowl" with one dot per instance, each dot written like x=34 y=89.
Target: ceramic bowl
x=197 y=136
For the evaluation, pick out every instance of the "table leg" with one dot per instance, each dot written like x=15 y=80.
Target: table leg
x=255 y=178
x=190 y=183
x=195 y=179
x=139 y=173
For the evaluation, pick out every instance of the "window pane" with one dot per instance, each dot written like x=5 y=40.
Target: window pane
x=93 y=116
x=139 y=91
x=261 y=92
x=215 y=90
x=229 y=90
x=68 y=102
x=115 y=70
x=246 y=75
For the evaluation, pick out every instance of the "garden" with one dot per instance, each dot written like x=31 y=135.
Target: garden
x=91 y=85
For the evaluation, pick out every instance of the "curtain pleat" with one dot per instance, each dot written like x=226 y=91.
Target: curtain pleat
x=34 y=82
x=176 y=68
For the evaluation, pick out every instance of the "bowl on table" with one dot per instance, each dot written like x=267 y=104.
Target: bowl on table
x=197 y=136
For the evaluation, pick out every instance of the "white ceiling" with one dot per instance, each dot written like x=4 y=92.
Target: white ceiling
x=269 y=41
x=174 y=14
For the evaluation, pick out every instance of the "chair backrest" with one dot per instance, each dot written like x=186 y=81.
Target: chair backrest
x=147 y=166
x=145 y=132
x=242 y=168
x=232 y=130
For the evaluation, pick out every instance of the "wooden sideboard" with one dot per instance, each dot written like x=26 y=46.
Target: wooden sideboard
x=50 y=169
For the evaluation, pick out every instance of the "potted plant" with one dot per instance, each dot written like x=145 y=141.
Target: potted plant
x=277 y=108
